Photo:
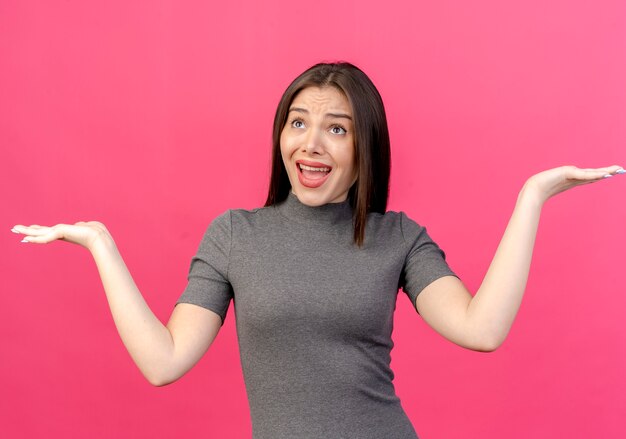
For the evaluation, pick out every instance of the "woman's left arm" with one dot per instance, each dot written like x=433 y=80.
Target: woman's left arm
x=482 y=322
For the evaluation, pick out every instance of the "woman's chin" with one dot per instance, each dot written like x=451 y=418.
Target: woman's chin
x=310 y=197
x=316 y=197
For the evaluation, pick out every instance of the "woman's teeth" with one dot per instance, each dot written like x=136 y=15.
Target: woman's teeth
x=310 y=168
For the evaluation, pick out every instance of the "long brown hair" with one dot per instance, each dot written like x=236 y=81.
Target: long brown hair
x=371 y=142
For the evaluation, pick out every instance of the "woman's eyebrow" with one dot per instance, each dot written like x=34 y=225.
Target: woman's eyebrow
x=339 y=115
x=333 y=115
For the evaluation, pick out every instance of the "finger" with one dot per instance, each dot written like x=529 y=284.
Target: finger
x=36 y=231
x=577 y=176
x=615 y=170
x=585 y=174
x=19 y=228
x=608 y=170
x=45 y=234
x=612 y=170
x=42 y=239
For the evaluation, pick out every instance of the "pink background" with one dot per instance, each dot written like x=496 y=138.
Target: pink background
x=154 y=117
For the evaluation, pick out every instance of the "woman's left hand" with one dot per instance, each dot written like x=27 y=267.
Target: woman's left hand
x=483 y=322
x=548 y=183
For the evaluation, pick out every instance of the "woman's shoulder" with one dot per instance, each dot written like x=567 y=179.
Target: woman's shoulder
x=243 y=221
x=395 y=223
x=235 y=216
x=255 y=214
x=238 y=223
x=392 y=218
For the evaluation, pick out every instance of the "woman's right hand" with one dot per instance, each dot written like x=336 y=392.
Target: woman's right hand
x=86 y=234
x=191 y=328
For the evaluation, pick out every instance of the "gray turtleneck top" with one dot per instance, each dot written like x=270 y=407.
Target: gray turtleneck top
x=314 y=313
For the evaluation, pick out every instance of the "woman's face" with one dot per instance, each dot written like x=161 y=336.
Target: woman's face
x=317 y=146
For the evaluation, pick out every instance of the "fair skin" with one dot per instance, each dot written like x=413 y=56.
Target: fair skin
x=317 y=142
x=483 y=321
x=317 y=146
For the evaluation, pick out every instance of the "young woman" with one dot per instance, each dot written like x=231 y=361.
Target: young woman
x=314 y=274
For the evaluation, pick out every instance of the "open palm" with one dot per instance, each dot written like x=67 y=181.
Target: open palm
x=81 y=233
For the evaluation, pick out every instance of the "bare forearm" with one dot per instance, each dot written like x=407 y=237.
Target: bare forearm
x=162 y=353
x=147 y=340
x=495 y=305
x=482 y=322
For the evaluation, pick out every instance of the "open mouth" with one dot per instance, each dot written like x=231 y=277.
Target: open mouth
x=312 y=174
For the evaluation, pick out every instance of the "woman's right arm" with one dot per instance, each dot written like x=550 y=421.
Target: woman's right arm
x=162 y=353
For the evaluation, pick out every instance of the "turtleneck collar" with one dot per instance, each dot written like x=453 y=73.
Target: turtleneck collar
x=330 y=213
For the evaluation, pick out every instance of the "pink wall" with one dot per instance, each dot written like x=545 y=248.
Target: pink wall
x=154 y=117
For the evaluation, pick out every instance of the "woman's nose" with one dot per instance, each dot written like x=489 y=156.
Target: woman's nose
x=313 y=143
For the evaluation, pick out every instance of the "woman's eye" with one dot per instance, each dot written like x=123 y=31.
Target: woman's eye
x=338 y=130
x=297 y=123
